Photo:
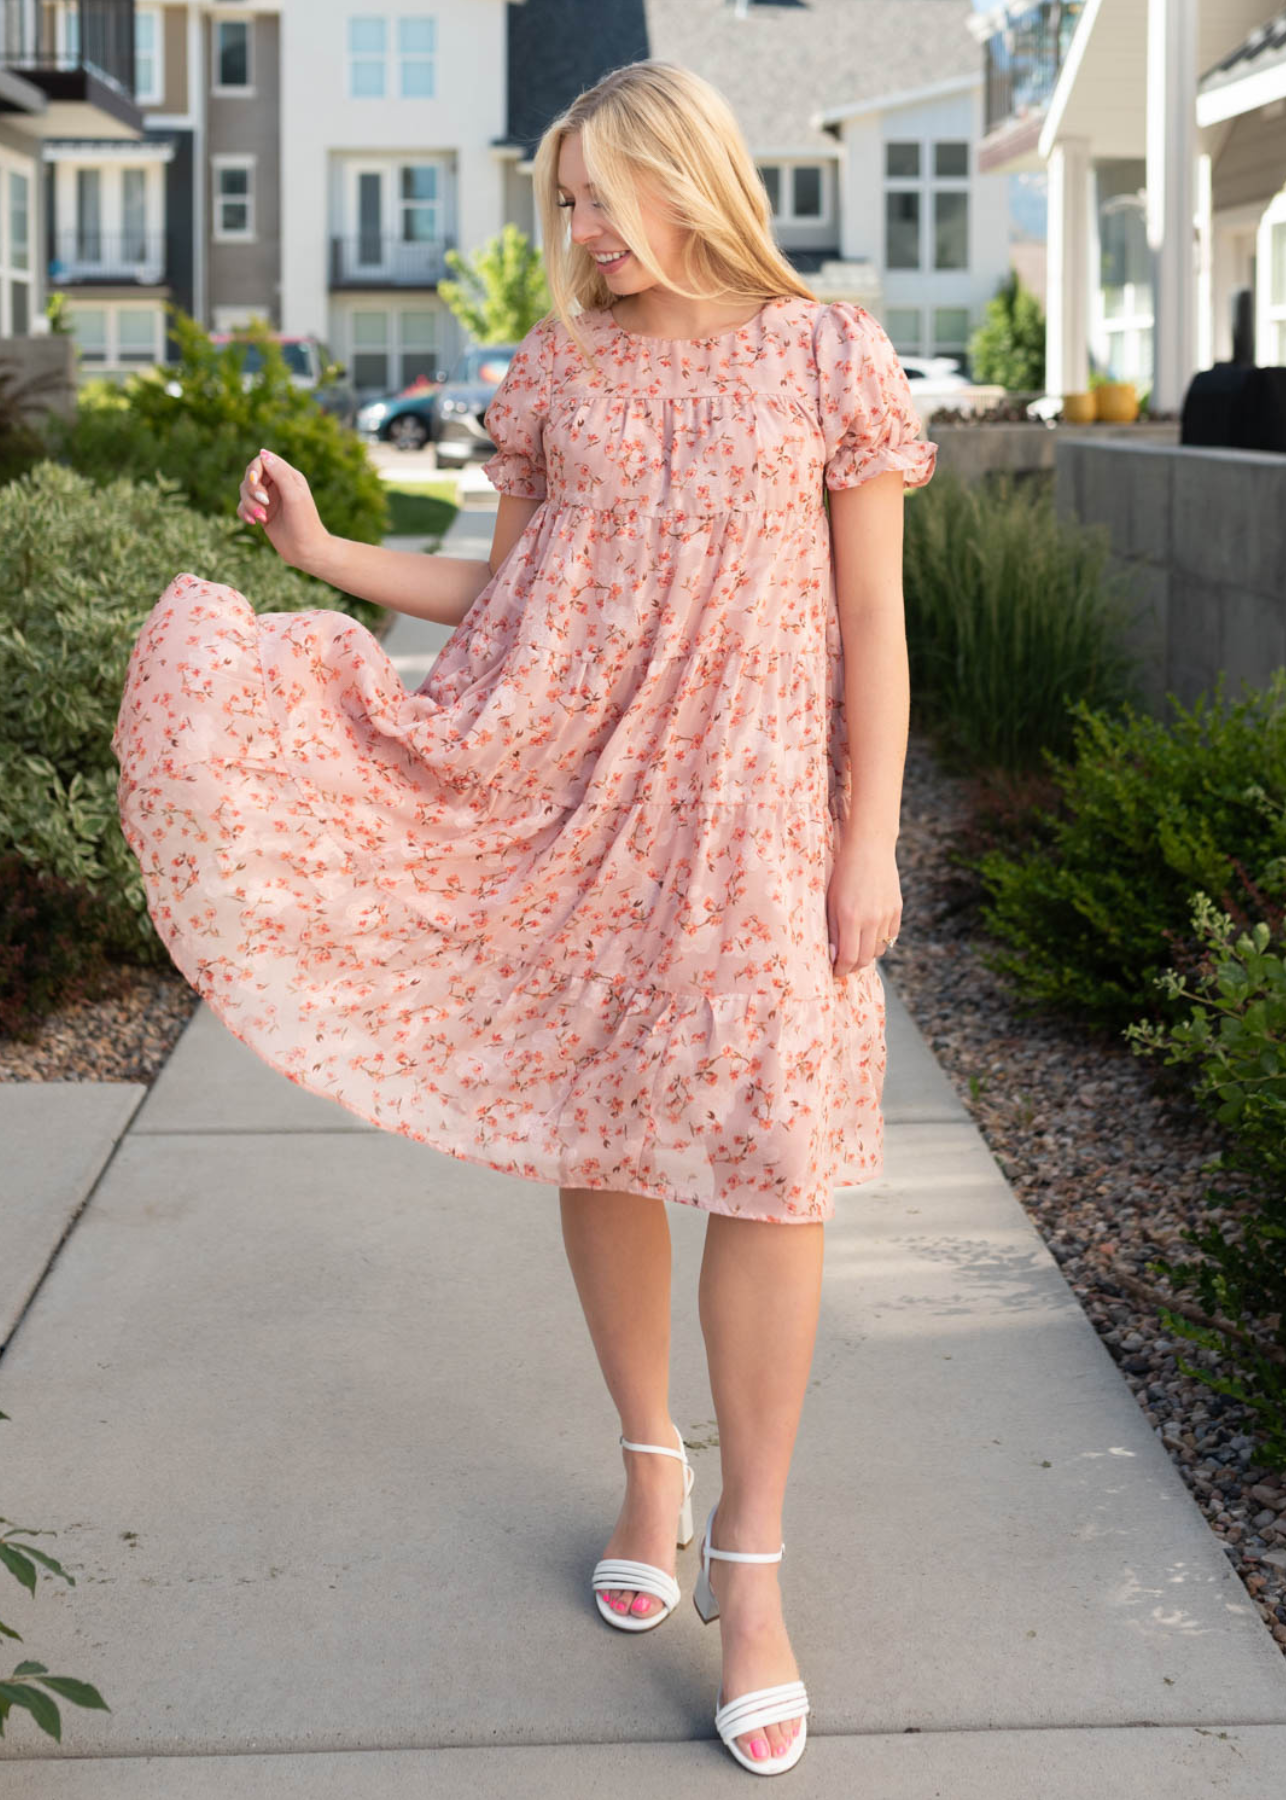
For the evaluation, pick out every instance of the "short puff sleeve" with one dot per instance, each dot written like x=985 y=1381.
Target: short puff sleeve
x=515 y=419
x=869 y=421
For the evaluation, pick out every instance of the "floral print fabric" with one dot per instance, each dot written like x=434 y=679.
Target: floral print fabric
x=562 y=910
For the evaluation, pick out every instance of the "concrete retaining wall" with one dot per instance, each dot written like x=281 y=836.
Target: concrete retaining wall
x=50 y=354
x=1202 y=534
x=972 y=451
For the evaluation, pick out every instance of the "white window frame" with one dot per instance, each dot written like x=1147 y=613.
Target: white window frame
x=928 y=185
x=10 y=272
x=1270 y=307
x=786 y=189
x=156 y=93
x=408 y=58
x=1126 y=336
x=902 y=184
x=233 y=159
x=388 y=169
x=353 y=57
x=112 y=362
x=394 y=348
x=950 y=184
x=111 y=173
x=216 y=86
x=896 y=336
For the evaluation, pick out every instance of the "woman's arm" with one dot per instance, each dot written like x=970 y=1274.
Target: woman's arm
x=865 y=900
x=441 y=588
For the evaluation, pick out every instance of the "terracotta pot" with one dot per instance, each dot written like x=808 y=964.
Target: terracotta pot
x=1116 y=401
x=1078 y=409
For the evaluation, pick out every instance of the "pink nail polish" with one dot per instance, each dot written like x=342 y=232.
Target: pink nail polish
x=758 y=1748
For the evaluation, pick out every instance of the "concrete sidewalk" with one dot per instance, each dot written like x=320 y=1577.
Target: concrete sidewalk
x=318 y=1419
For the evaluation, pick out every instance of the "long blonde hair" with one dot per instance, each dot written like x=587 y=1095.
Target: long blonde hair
x=668 y=125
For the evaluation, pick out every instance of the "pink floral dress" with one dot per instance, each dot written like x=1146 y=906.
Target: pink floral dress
x=562 y=910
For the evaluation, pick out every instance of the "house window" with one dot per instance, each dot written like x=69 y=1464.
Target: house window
x=233 y=196
x=89 y=215
x=89 y=327
x=15 y=251
x=134 y=215
x=905 y=195
x=147 y=56
x=370 y=358
x=418 y=353
x=232 y=56
x=1277 y=292
x=116 y=336
x=904 y=330
x=19 y=220
x=1125 y=285
x=415 y=47
x=797 y=192
x=950 y=330
x=951 y=205
x=367 y=53
x=950 y=230
x=419 y=203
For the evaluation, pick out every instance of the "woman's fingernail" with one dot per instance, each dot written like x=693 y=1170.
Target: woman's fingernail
x=260 y=514
x=833 y=951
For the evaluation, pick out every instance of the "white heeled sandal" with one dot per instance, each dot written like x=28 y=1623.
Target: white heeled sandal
x=761 y=1706
x=646 y=1578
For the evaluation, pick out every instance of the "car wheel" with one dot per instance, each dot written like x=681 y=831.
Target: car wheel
x=408 y=432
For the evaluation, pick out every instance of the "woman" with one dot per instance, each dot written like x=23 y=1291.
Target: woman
x=601 y=903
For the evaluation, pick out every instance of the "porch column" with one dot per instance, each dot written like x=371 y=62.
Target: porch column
x=1067 y=304
x=1171 y=195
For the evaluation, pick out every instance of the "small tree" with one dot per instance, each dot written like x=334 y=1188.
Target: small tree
x=1008 y=348
x=501 y=291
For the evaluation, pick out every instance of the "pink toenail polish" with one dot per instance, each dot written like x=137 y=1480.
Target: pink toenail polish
x=782 y=1749
x=758 y=1747
x=640 y=1604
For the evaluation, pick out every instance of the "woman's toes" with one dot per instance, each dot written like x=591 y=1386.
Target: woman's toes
x=643 y=1604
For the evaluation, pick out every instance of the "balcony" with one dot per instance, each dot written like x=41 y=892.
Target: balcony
x=83 y=255
x=71 y=64
x=378 y=260
x=1024 y=48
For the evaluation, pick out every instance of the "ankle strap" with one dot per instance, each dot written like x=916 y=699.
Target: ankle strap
x=661 y=1449
x=745 y=1555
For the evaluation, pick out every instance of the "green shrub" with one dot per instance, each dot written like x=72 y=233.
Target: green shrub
x=204 y=435
x=1233 y=1038
x=1010 y=620
x=1149 y=812
x=52 y=949
x=1008 y=349
x=80 y=568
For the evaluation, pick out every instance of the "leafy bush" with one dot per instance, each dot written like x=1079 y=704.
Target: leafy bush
x=80 y=568
x=1233 y=1036
x=52 y=950
x=21 y=1559
x=203 y=436
x=1150 y=811
x=1008 y=348
x=1010 y=620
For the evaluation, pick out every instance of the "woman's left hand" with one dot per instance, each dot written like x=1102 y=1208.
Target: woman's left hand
x=863 y=903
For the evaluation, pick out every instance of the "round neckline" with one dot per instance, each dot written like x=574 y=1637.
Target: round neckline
x=714 y=337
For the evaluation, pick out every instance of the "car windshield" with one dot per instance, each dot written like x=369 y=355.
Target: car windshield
x=482 y=365
x=296 y=355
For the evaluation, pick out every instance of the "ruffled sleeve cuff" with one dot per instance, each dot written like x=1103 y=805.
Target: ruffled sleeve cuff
x=515 y=420
x=869 y=420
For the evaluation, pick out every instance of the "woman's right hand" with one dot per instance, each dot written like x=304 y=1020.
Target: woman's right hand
x=277 y=496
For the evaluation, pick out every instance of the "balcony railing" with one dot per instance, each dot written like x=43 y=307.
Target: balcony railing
x=1023 y=59
x=83 y=253
x=39 y=39
x=376 y=259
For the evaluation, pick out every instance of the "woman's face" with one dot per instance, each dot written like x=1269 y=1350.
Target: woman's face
x=593 y=230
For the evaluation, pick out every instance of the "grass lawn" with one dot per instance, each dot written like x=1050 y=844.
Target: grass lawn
x=426 y=506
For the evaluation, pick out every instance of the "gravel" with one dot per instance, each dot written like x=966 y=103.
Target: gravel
x=1107 y=1167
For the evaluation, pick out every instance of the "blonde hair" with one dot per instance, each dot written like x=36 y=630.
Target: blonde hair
x=669 y=126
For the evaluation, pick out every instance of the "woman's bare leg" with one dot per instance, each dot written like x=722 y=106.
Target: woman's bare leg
x=759 y=1296
x=618 y=1245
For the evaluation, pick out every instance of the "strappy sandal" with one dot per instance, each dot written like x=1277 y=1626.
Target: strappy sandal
x=646 y=1578
x=761 y=1706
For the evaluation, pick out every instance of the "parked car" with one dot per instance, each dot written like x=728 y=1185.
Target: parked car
x=306 y=357
x=450 y=416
